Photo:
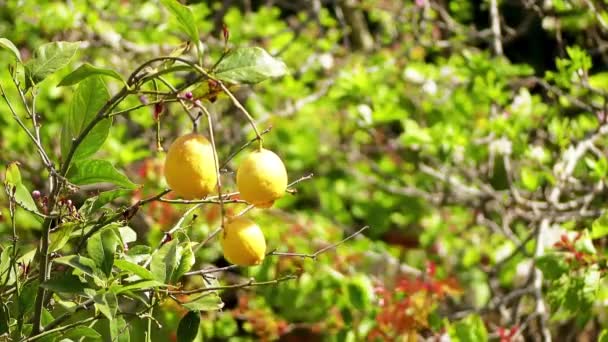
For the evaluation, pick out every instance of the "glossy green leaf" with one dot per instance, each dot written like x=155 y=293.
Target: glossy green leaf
x=101 y=248
x=165 y=262
x=119 y=330
x=205 y=302
x=7 y=271
x=82 y=331
x=87 y=70
x=83 y=264
x=135 y=269
x=65 y=282
x=89 y=98
x=49 y=58
x=98 y=171
x=27 y=297
x=188 y=327
x=139 y=285
x=249 y=65
x=127 y=234
x=23 y=196
x=61 y=236
x=184 y=17
x=185 y=262
x=107 y=304
x=7 y=44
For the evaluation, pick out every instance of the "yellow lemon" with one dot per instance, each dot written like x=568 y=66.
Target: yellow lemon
x=190 y=167
x=243 y=242
x=261 y=178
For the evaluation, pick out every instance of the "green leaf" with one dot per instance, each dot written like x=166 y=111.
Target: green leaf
x=552 y=265
x=93 y=204
x=164 y=262
x=83 y=264
x=186 y=261
x=599 y=228
x=7 y=44
x=4 y=319
x=184 y=17
x=89 y=98
x=7 y=271
x=101 y=248
x=87 y=70
x=470 y=328
x=603 y=336
x=27 y=298
x=65 y=283
x=22 y=195
x=135 y=269
x=127 y=234
x=138 y=285
x=188 y=327
x=61 y=236
x=249 y=65
x=584 y=243
x=356 y=295
x=49 y=58
x=206 y=302
x=107 y=304
x=98 y=171
x=119 y=330
x=530 y=178
x=82 y=331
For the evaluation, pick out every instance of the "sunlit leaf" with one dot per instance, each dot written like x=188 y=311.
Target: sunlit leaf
x=249 y=65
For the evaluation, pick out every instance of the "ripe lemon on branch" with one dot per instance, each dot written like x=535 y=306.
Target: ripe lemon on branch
x=243 y=242
x=261 y=178
x=190 y=167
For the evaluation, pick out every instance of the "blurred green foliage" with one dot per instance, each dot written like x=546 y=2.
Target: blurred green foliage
x=449 y=150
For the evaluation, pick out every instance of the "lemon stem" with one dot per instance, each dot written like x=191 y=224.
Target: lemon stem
x=242 y=109
x=217 y=164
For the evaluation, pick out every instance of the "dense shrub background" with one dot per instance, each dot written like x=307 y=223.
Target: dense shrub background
x=470 y=136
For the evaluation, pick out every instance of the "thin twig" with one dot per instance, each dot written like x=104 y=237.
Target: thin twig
x=249 y=283
x=320 y=251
